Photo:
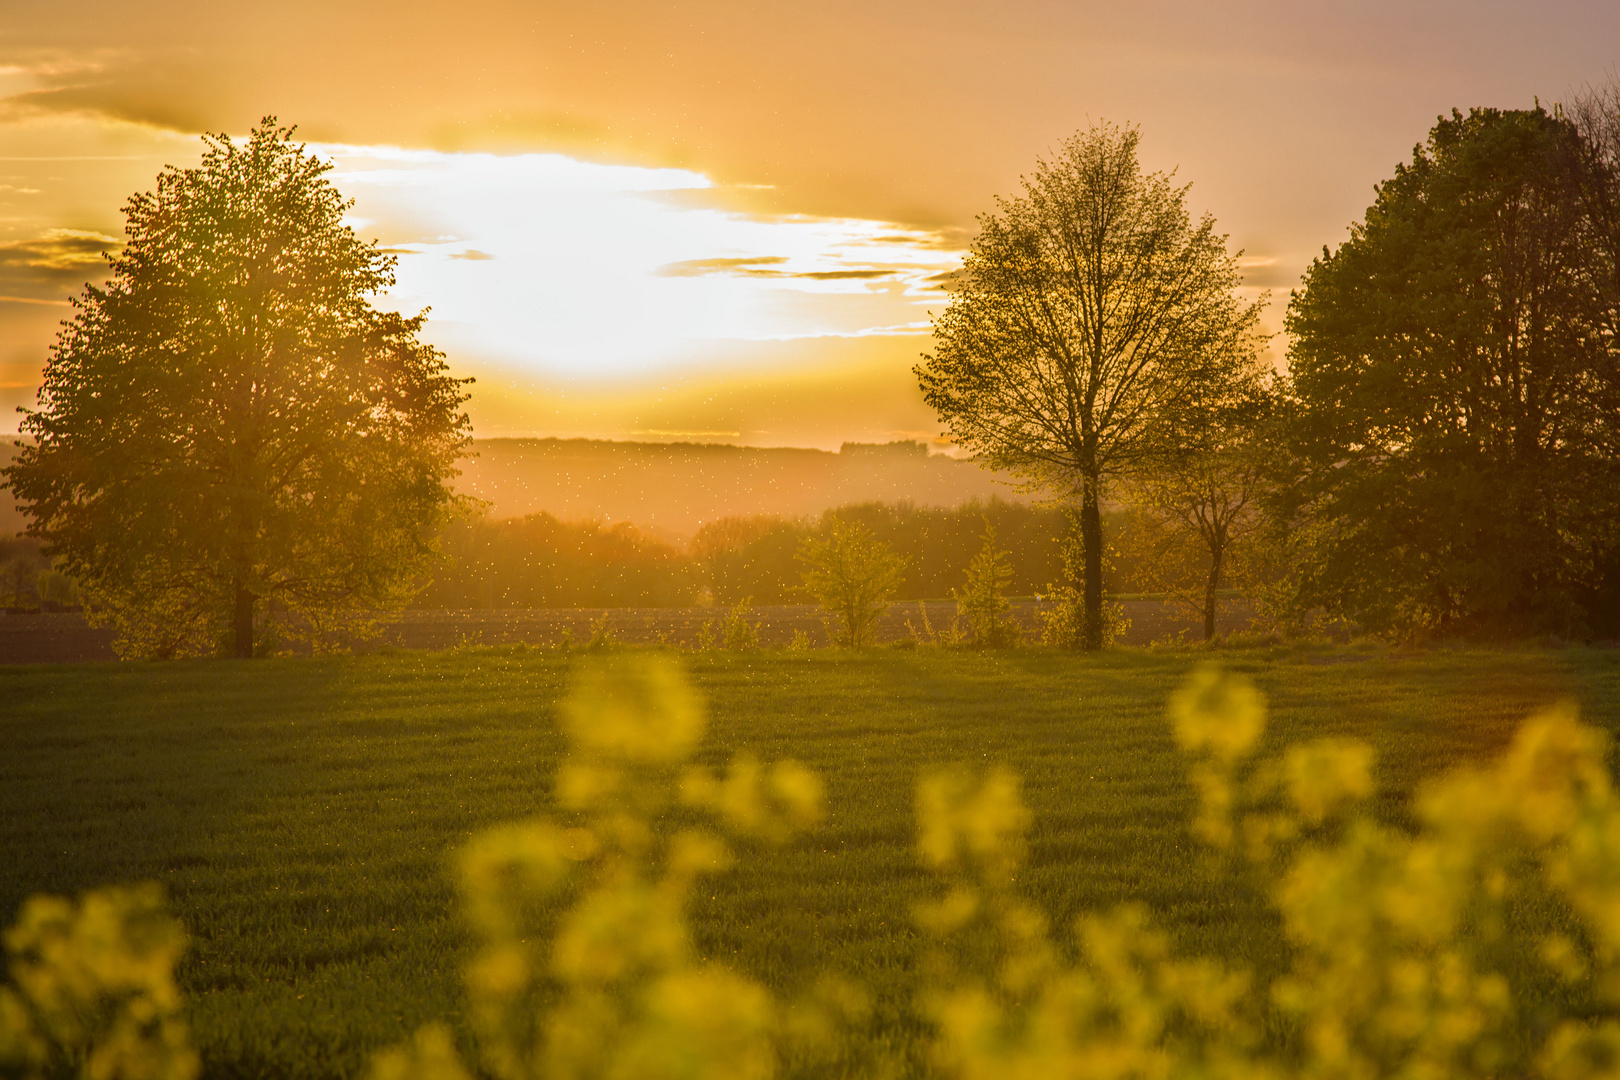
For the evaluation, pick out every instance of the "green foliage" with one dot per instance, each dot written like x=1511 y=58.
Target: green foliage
x=232 y=444
x=708 y=636
x=28 y=580
x=1453 y=386
x=982 y=601
x=1281 y=599
x=539 y=561
x=754 y=557
x=735 y=632
x=926 y=634
x=57 y=588
x=601 y=636
x=1065 y=625
x=739 y=634
x=1089 y=316
x=21 y=564
x=852 y=575
x=92 y=991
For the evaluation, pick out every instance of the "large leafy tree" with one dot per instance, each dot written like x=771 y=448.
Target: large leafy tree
x=1596 y=113
x=1091 y=314
x=232 y=444
x=1454 y=386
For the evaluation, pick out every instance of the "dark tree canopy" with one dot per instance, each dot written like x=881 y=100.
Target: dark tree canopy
x=232 y=445
x=1090 y=316
x=1454 y=385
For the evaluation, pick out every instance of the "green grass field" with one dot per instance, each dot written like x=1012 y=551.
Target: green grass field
x=300 y=812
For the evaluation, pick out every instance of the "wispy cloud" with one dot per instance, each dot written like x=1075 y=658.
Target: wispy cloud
x=59 y=249
x=845 y=275
x=31 y=300
x=666 y=433
x=910 y=329
x=752 y=266
x=770 y=266
x=38 y=270
x=155 y=88
x=1266 y=272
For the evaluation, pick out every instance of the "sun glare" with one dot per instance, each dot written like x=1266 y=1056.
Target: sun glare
x=553 y=266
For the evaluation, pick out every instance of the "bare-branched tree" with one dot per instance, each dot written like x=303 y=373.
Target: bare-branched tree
x=1199 y=510
x=1091 y=317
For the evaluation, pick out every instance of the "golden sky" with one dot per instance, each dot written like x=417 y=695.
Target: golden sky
x=641 y=220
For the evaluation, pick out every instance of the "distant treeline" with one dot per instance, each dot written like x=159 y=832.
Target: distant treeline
x=539 y=561
x=739 y=558
x=677 y=487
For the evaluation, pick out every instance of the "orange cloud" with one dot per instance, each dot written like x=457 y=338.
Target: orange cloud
x=39 y=269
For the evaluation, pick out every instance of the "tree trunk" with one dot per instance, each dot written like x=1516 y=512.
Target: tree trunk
x=244 y=622
x=1091 y=627
x=1213 y=583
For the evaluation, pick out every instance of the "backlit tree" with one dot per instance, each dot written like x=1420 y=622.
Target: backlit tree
x=1456 y=385
x=232 y=445
x=1089 y=316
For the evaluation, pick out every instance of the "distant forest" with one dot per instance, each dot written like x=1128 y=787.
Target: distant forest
x=706 y=523
x=560 y=556
x=671 y=490
x=588 y=523
x=540 y=561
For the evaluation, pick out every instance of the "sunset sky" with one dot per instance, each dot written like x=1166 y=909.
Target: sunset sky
x=728 y=221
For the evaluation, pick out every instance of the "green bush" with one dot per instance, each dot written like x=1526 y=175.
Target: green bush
x=982 y=600
x=853 y=576
x=738 y=633
x=1062 y=624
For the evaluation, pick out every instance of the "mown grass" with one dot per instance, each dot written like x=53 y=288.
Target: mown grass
x=300 y=812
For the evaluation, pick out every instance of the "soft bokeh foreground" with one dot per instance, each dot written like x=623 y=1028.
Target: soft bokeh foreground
x=1465 y=927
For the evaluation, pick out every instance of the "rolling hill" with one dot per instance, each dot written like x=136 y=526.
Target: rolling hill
x=670 y=489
